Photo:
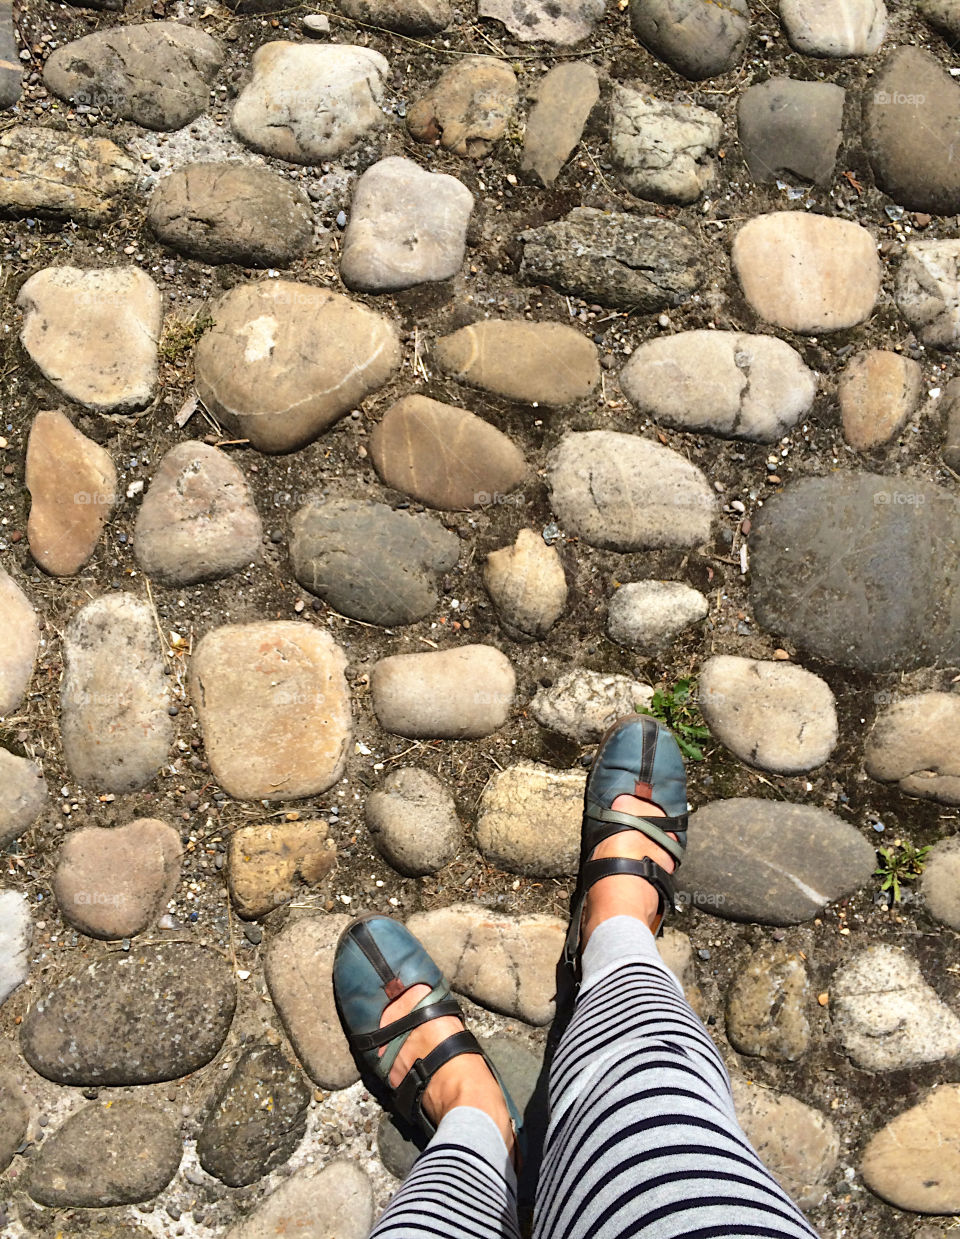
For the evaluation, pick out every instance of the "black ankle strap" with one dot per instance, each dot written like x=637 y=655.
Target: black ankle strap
x=658 y=877
x=411 y=1088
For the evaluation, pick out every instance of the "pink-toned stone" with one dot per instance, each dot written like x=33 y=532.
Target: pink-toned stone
x=878 y=390
x=72 y=483
x=111 y=883
x=273 y=704
x=18 y=649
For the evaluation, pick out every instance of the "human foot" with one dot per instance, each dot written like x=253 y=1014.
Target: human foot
x=626 y=894
x=464 y=1081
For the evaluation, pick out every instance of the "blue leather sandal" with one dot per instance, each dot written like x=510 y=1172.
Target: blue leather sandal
x=377 y=960
x=638 y=756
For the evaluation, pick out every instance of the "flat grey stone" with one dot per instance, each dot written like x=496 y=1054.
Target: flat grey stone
x=860 y=570
x=299 y=974
x=62 y=176
x=14 y=1117
x=9 y=58
x=558 y=22
x=283 y=361
x=768 y=1006
x=115 y=724
x=665 y=149
x=914 y=1162
x=197 y=521
x=774 y=715
x=23 y=795
x=940 y=884
x=505 y=963
x=413 y=820
x=650 y=615
x=464 y=693
x=886 y=1016
x=407 y=227
x=232 y=212
x=403 y=16
x=834 y=27
x=528 y=586
x=565 y=98
x=798 y=1145
x=334 y=1201
x=698 y=38
x=309 y=102
x=927 y=292
x=21 y=629
x=104 y=1156
x=771 y=862
x=370 y=562
x=256 y=1120
x=157 y=75
x=626 y=493
x=791 y=130
x=582 y=704
x=616 y=259
x=913 y=745
x=943 y=15
x=738 y=386
x=16 y=931
x=137 y=1017
x=911 y=95
x=529 y=820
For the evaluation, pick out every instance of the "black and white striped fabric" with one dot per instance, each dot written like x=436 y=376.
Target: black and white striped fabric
x=643 y=1139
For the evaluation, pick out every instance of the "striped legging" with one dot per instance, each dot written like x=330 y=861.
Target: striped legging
x=642 y=1141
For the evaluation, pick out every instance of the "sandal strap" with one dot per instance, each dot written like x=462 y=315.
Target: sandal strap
x=610 y=866
x=609 y=822
x=446 y=1005
x=408 y=1095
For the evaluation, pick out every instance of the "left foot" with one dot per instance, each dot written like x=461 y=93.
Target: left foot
x=464 y=1081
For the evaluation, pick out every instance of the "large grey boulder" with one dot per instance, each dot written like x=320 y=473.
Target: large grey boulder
x=861 y=570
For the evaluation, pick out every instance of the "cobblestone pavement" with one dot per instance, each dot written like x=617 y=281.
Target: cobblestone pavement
x=393 y=393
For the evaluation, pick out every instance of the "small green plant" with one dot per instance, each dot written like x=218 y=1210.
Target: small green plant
x=899 y=863
x=181 y=334
x=677 y=708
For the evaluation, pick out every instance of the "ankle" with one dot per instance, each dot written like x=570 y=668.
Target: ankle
x=468 y=1081
x=625 y=894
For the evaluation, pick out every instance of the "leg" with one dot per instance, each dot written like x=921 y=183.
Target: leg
x=462 y=1187
x=643 y=1139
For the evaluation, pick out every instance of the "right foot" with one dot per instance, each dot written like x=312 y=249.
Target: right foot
x=624 y=894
